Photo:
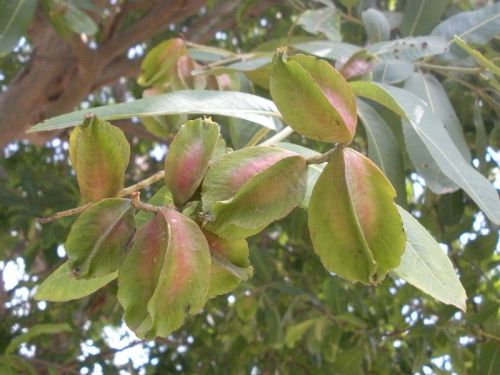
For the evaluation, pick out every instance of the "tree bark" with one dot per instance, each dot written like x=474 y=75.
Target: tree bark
x=61 y=73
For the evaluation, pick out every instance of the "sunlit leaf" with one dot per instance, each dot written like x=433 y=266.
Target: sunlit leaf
x=188 y=158
x=62 y=285
x=354 y=225
x=314 y=99
x=99 y=154
x=165 y=276
x=224 y=103
x=425 y=265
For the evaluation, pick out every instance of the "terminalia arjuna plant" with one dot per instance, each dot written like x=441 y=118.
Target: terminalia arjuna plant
x=188 y=243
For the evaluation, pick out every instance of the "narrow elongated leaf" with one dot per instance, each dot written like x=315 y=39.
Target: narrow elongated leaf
x=425 y=265
x=409 y=49
x=34 y=331
x=328 y=49
x=420 y=16
x=61 y=285
x=267 y=196
x=78 y=21
x=429 y=129
x=392 y=71
x=430 y=90
x=313 y=98
x=99 y=153
x=376 y=25
x=188 y=158
x=383 y=148
x=355 y=227
x=229 y=264
x=15 y=16
x=227 y=175
x=224 y=103
x=477 y=26
x=478 y=56
x=99 y=237
x=165 y=276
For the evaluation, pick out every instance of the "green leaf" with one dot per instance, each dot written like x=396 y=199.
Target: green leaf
x=267 y=196
x=165 y=275
x=313 y=170
x=99 y=154
x=313 y=98
x=392 y=71
x=224 y=103
x=477 y=26
x=62 y=285
x=15 y=17
x=99 y=237
x=232 y=171
x=383 y=148
x=430 y=90
x=78 y=21
x=34 y=331
x=425 y=265
x=420 y=16
x=355 y=227
x=489 y=358
x=349 y=361
x=188 y=158
x=478 y=56
x=409 y=49
x=294 y=333
x=328 y=49
x=436 y=141
x=229 y=264
x=324 y=21
x=160 y=64
x=376 y=25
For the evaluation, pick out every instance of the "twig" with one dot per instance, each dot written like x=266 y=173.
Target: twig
x=277 y=137
x=136 y=202
x=322 y=158
x=124 y=192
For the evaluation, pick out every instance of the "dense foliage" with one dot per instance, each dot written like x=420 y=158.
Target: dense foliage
x=312 y=191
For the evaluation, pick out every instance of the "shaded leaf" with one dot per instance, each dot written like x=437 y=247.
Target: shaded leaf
x=100 y=154
x=61 y=285
x=34 y=331
x=392 y=71
x=294 y=333
x=313 y=98
x=188 y=158
x=420 y=16
x=324 y=21
x=354 y=225
x=160 y=64
x=165 y=276
x=383 y=148
x=376 y=25
x=15 y=17
x=437 y=142
x=425 y=265
x=224 y=103
x=99 y=237
x=229 y=264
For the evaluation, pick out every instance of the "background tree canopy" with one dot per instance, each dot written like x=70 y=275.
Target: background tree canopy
x=422 y=79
